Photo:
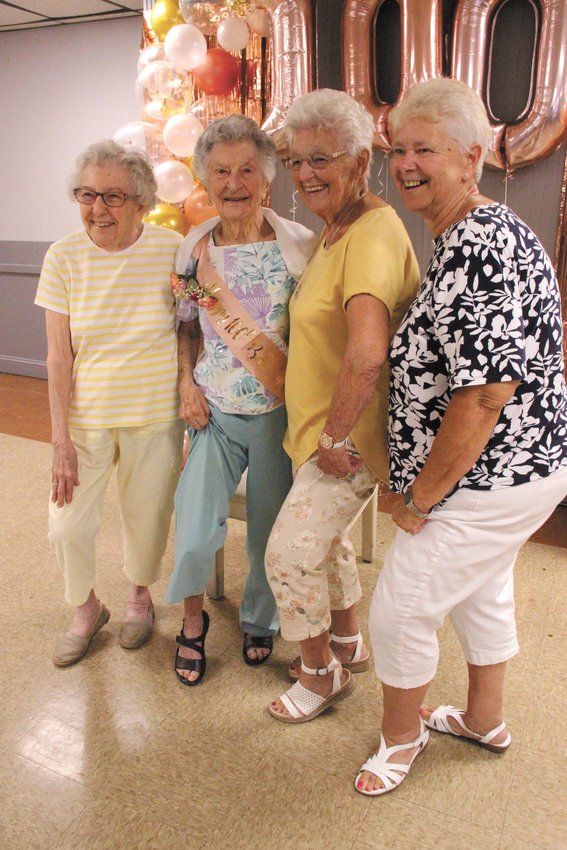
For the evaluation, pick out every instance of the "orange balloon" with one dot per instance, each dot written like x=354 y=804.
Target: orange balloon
x=196 y=206
x=170 y=216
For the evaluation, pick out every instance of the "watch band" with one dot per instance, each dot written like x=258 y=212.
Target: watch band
x=327 y=442
x=408 y=502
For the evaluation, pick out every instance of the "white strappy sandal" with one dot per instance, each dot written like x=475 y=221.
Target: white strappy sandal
x=439 y=722
x=357 y=664
x=303 y=704
x=391 y=774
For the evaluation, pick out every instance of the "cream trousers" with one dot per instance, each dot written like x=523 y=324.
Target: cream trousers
x=310 y=561
x=148 y=464
x=459 y=565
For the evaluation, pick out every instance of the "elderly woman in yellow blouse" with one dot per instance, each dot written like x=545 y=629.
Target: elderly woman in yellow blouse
x=349 y=302
x=112 y=372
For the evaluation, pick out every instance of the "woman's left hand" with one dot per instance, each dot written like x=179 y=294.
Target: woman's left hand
x=404 y=519
x=338 y=462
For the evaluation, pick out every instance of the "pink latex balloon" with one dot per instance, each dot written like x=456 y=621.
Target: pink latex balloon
x=174 y=181
x=185 y=46
x=180 y=134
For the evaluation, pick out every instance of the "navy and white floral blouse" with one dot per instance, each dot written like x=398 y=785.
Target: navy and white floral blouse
x=488 y=311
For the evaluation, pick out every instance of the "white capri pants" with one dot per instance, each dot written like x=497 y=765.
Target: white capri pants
x=148 y=461
x=460 y=564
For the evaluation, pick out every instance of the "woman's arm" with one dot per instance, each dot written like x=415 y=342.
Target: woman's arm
x=194 y=408
x=366 y=351
x=466 y=428
x=64 y=470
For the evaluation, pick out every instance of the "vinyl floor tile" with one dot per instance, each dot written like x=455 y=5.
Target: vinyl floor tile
x=536 y=815
x=391 y=824
x=306 y=808
x=108 y=824
x=37 y=804
x=186 y=776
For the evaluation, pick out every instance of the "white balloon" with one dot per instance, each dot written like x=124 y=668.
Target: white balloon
x=152 y=53
x=174 y=181
x=180 y=134
x=136 y=134
x=233 y=34
x=259 y=22
x=185 y=46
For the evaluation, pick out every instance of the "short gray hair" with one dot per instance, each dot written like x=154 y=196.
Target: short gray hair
x=130 y=158
x=451 y=103
x=230 y=130
x=336 y=111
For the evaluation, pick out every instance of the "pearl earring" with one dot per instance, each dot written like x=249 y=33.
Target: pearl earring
x=466 y=175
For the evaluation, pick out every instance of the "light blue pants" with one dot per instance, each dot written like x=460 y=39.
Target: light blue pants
x=218 y=456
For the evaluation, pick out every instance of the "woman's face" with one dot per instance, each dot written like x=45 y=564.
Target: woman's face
x=235 y=181
x=429 y=168
x=325 y=191
x=111 y=228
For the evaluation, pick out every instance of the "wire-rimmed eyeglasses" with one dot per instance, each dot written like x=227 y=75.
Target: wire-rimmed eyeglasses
x=316 y=161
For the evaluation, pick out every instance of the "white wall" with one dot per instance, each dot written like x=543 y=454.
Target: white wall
x=61 y=88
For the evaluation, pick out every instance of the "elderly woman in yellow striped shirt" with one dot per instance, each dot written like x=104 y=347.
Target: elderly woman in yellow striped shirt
x=112 y=373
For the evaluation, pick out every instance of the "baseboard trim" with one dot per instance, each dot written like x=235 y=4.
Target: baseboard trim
x=23 y=366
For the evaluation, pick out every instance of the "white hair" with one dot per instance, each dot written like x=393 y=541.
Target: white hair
x=336 y=111
x=230 y=130
x=451 y=103
x=133 y=160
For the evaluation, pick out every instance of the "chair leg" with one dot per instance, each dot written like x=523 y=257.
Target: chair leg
x=369 y=528
x=215 y=587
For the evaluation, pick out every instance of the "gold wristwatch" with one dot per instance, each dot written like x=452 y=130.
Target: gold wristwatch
x=327 y=442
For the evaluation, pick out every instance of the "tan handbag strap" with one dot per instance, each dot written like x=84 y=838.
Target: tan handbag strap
x=255 y=350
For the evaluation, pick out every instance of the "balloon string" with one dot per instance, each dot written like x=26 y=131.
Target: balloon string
x=380 y=188
x=293 y=209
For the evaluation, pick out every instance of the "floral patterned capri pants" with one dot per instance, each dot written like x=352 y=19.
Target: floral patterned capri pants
x=310 y=561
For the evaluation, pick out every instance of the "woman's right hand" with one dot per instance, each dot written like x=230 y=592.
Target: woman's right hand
x=194 y=408
x=64 y=473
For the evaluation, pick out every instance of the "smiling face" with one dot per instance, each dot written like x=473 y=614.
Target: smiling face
x=111 y=228
x=235 y=182
x=432 y=172
x=326 y=191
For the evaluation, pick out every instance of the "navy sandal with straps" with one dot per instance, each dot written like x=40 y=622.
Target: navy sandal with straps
x=199 y=665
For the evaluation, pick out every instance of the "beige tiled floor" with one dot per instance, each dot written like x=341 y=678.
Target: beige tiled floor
x=114 y=754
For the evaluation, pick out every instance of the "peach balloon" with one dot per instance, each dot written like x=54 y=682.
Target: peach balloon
x=196 y=206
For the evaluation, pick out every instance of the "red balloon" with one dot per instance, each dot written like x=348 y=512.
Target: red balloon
x=219 y=72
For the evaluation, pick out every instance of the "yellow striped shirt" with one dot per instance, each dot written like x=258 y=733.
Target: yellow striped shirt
x=122 y=319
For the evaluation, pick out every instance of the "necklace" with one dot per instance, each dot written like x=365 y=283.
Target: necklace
x=330 y=235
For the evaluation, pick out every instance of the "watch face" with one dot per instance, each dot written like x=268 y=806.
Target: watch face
x=326 y=441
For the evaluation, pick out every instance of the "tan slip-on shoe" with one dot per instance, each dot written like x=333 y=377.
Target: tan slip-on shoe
x=135 y=633
x=72 y=647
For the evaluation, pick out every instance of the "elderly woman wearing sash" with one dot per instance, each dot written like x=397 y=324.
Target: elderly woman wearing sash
x=235 y=275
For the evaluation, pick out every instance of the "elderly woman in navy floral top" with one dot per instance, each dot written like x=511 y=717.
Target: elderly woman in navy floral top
x=478 y=434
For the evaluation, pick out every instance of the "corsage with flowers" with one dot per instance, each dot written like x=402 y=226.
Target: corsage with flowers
x=187 y=288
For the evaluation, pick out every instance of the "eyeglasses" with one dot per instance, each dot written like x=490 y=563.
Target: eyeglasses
x=317 y=161
x=109 y=199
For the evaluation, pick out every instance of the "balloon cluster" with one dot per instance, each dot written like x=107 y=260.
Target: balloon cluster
x=199 y=61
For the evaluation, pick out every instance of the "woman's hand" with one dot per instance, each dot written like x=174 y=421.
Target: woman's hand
x=194 y=408
x=404 y=518
x=64 y=473
x=338 y=462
